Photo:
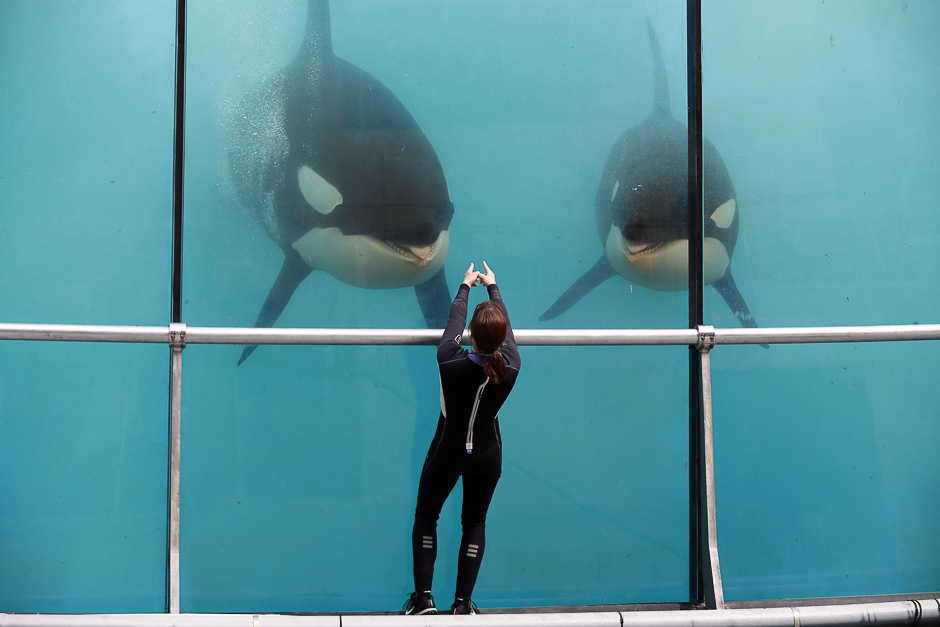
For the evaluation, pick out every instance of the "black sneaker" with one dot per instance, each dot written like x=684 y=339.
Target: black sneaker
x=463 y=606
x=416 y=604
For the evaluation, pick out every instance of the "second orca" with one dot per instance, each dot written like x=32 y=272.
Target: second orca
x=642 y=207
x=339 y=175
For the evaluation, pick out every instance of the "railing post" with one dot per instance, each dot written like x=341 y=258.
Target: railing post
x=711 y=572
x=177 y=344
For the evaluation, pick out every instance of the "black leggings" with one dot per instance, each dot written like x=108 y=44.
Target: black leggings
x=438 y=478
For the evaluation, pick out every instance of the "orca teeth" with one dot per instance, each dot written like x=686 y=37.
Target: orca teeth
x=419 y=255
x=636 y=248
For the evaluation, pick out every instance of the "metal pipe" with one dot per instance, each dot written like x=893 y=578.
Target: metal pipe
x=813 y=335
x=84 y=333
x=712 y=590
x=430 y=337
x=427 y=337
x=922 y=613
x=178 y=336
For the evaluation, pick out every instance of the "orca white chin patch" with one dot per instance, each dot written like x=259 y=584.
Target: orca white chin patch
x=664 y=267
x=317 y=191
x=364 y=261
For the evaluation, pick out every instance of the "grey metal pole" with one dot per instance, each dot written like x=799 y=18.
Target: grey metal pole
x=713 y=594
x=177 y=343
x=83 y=333
x=920 y=613
x=429 y=337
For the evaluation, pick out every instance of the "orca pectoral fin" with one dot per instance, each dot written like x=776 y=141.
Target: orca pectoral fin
x=434 y=300
x=292 y=274
x=729 y=291
x=600 y=272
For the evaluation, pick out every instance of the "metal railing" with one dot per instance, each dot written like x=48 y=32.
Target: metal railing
x=429 y=337
x=704 y=338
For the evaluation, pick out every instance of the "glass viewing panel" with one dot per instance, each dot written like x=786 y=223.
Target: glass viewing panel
x=86 y=161
x=83 y=456
x=826 y=116
x=302 y=465
x=353 y=191
x=828 y=482
x=471 y=131
x=492 y=144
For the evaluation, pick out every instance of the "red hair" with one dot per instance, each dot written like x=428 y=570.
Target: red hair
x=488 y=327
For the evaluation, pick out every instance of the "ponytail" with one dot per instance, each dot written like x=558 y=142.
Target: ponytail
x=488 y=328
x=495 y=367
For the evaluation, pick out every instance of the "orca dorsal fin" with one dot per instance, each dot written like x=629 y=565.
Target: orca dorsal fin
x=661 y=102
x=318 y=38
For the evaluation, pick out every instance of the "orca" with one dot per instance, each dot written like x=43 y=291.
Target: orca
x=339 y=175
x=642 y=207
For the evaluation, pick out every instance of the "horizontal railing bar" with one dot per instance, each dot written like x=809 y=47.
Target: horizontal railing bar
x=825 y=335
x=429 y=337
x=84 y=333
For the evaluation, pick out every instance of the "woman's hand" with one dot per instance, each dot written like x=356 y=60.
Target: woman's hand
x=471 y=277
x=486 y=279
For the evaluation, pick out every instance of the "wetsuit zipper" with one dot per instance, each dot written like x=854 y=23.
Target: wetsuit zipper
x=473 y=416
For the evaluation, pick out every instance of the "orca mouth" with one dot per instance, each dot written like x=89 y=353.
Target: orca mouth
x=662 y=266
x=418 y=255
x=369 y=262
x=635 y=249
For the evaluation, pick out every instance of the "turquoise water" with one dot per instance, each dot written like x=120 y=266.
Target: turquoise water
x=300 y=466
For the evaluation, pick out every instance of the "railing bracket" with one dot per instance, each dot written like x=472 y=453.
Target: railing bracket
x=177 y=335
x=706 y=337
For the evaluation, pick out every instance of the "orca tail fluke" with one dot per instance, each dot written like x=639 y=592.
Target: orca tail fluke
x=434 y=299
x=600 y=272
x=729 y=291
x=292 y=274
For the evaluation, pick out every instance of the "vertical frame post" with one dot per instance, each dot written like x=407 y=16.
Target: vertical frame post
x=179 y=142
x=696 y=287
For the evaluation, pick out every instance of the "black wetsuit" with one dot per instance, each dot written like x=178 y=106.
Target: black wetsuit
x=467 y=443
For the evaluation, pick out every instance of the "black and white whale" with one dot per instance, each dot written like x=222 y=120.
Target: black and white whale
x=339 y=175
x=642 y=208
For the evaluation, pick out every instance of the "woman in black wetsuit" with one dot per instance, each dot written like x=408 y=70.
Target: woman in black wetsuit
x=474 y=386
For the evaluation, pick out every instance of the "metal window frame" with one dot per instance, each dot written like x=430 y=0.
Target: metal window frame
x=700 y=575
